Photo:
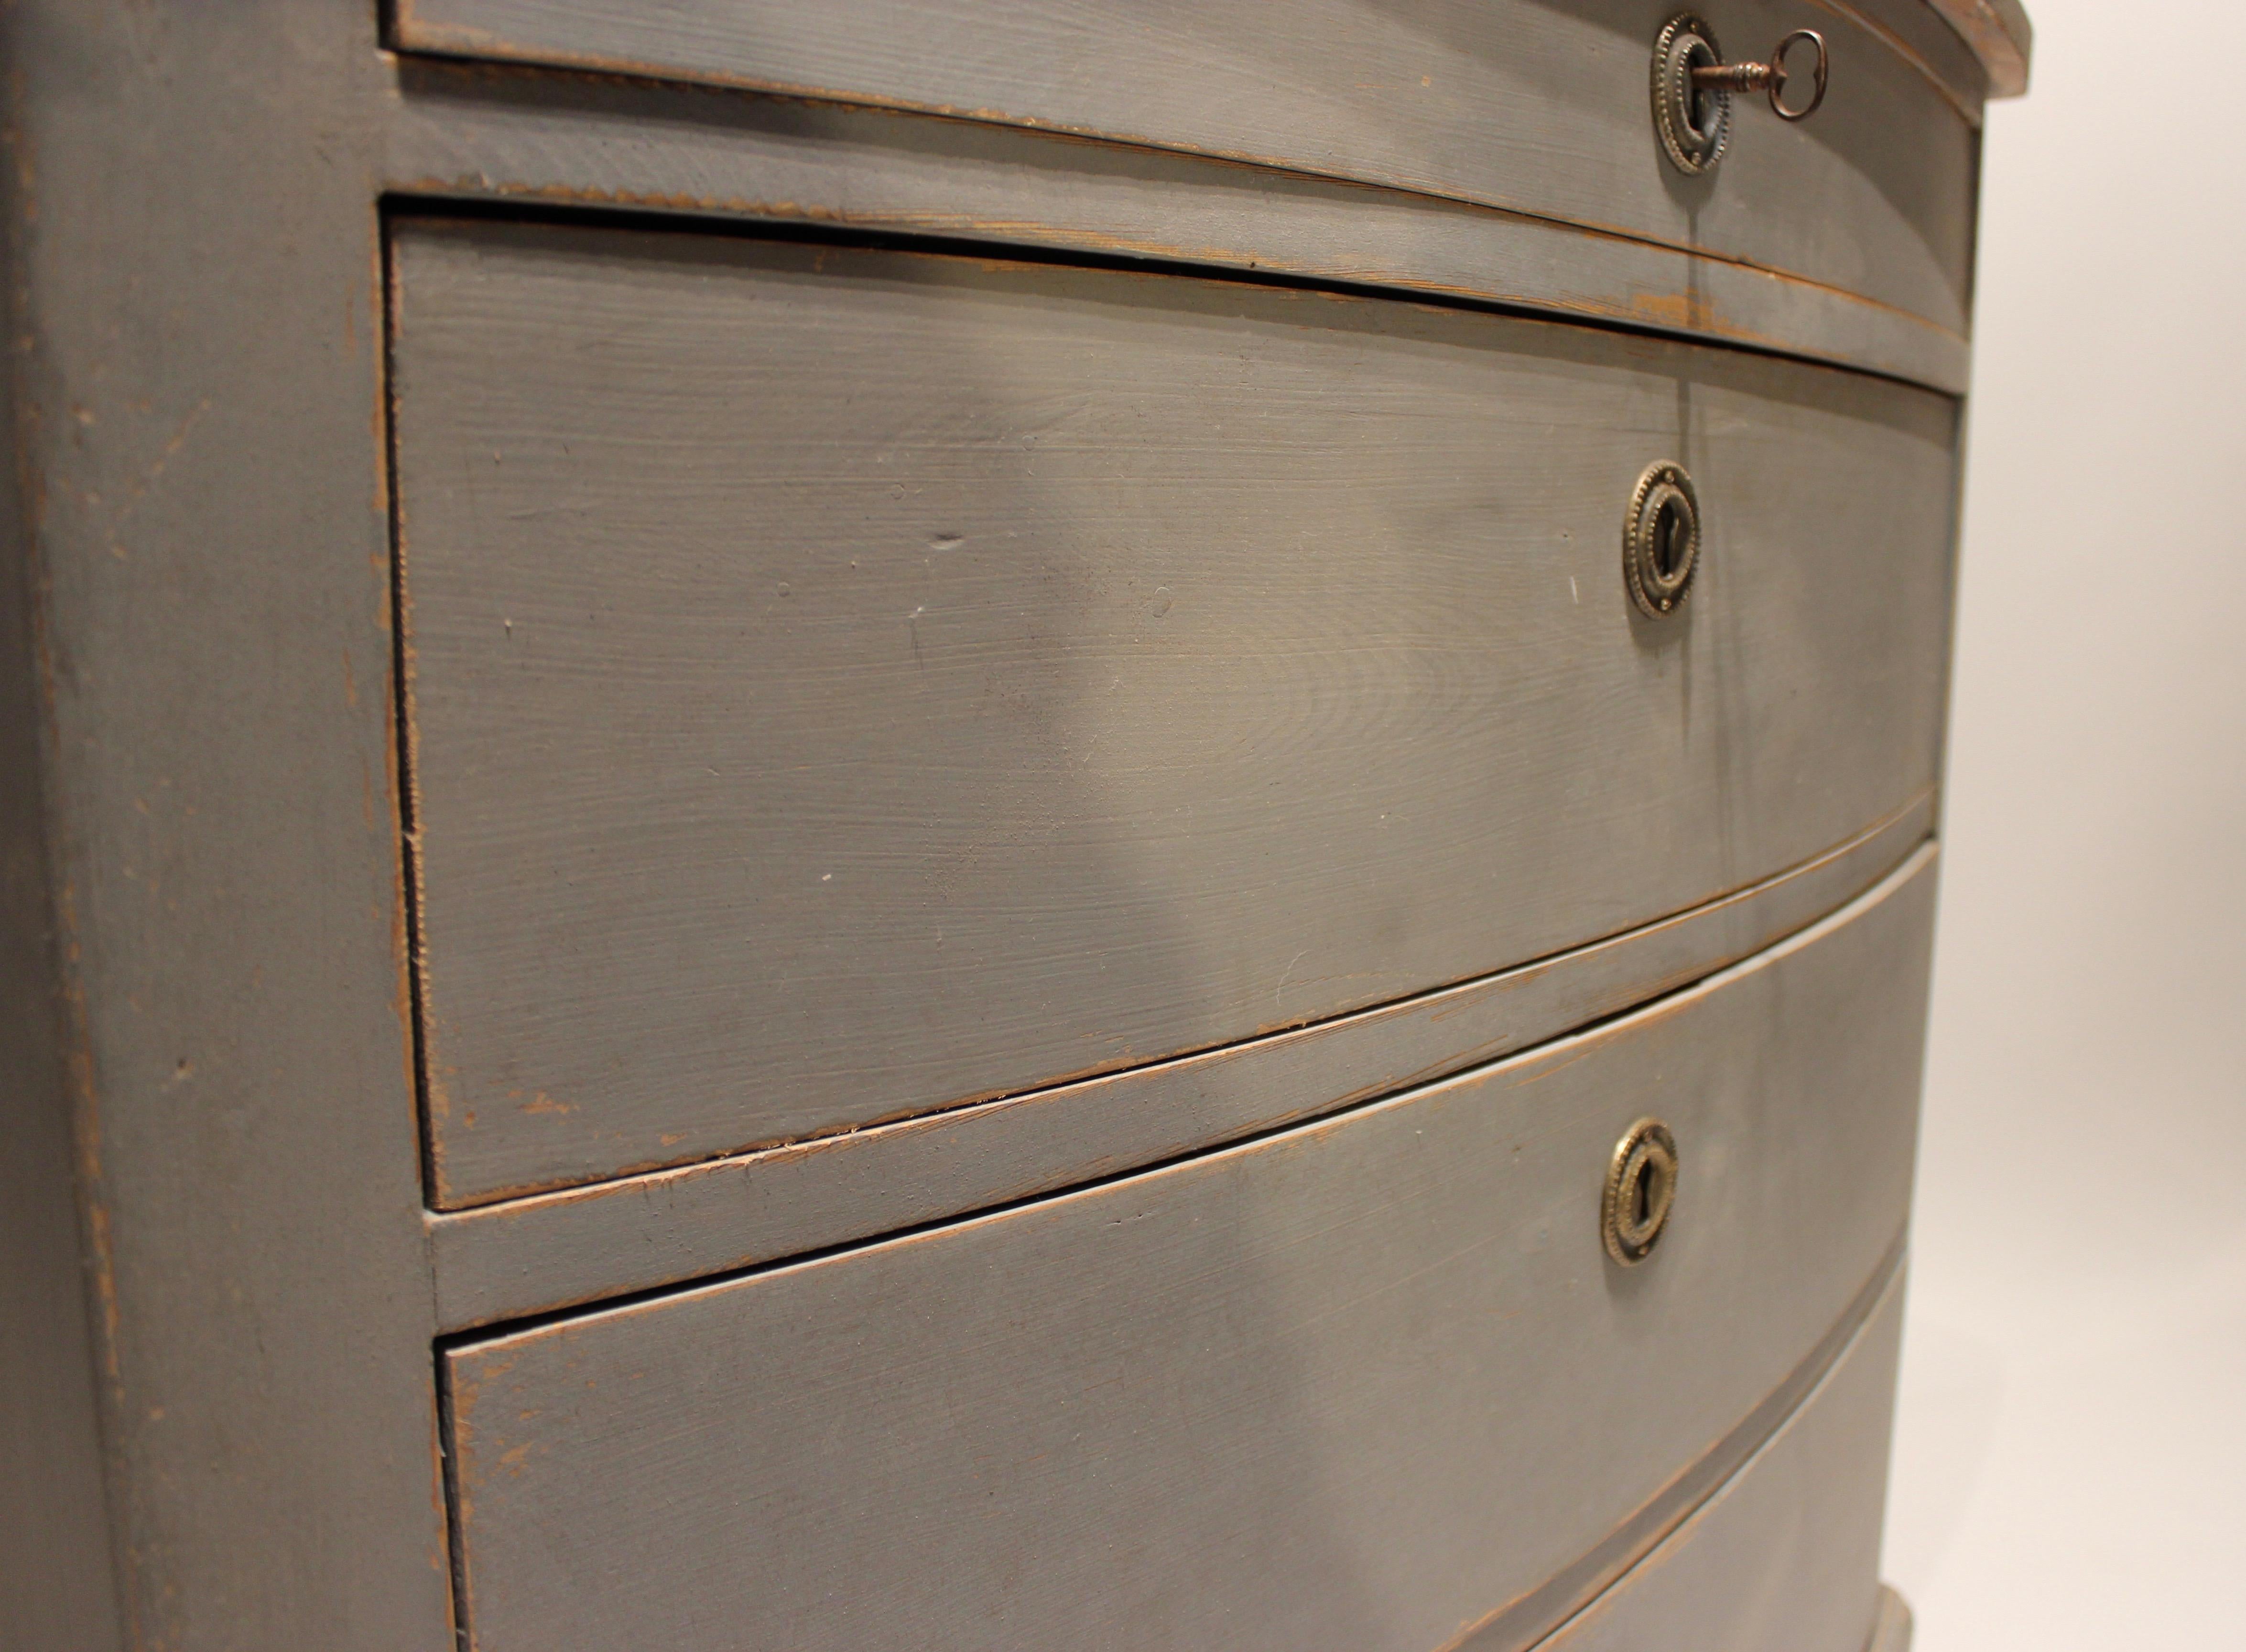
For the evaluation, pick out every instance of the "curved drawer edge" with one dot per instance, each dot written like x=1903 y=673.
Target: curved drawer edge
x=1351 y=93
x=1696 y=1492
x=494 y=1263
x=535 y=140
x=1999 y=34
x=1308 y=1381
x=1783 y=1555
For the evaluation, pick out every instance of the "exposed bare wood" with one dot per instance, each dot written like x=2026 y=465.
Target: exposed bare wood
x=2000 y=35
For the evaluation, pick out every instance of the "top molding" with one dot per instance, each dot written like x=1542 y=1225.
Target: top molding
x=2000 y=35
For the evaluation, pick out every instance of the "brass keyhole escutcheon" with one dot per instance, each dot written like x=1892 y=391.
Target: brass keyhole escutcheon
x=1692 y=88
x=1641 y=1191
x=1692 y=119
x=1661 y=540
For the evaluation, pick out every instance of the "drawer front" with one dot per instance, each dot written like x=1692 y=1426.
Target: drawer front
x=1523 y=104
x=844 y=684
x=1785 y=1556
x=1372 y=1382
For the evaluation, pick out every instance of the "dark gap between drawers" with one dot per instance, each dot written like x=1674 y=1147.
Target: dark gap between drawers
x=407 y=734
x=1519 y=1622
x=495 y=1329
x=401 y=204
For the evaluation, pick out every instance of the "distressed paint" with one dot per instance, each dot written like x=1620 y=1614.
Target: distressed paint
x=1045 y=671
x=558 y=1250
x=1782 y=1557
x=222 y=1424
x=477 y=132
x=195 y=354
x=1535 y=108
x=1366 y=1382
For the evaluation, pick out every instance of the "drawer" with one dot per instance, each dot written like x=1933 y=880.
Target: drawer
x=1785 y=1556
x=842 y=685
x=1372 y=1382
x=1525 y=105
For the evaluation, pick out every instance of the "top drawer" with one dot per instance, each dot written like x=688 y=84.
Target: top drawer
x=844 y=684
x=1524 y=104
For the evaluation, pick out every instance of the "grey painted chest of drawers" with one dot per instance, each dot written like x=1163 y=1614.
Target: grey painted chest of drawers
x=1010 y=824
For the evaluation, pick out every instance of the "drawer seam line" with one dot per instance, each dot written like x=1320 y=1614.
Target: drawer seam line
x=1663 y=1003
x=456 y=1215
x=1580 y=1584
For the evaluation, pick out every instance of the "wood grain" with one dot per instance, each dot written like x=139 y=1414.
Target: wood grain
x=193 y=301
x=1784 y=1557
x=473 y=133
x=558 y=1250
x=846 y=684
x=57 y=1576
x=2001 y=37
x=1535 y=107
x=1362 y=1383
x=215 y=1275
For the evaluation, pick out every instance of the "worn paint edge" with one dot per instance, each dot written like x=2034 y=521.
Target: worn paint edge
x=493 y=1263
x=439 y=44
x=59 y=1081
x=439 y=1195
x=1999 y=34
x=1939 y=363
x=1527 y=1066
x=1527 y=1620
x=1730 y=1460
x=1967 y=109
x=428 y=1095
x=1578 y=1587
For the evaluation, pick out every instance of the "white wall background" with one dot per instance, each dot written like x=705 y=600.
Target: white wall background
x=2070 y=1463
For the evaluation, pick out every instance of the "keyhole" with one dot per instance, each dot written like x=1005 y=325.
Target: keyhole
x=1661 y=542
x=1670 y=534
x=1640 y=1192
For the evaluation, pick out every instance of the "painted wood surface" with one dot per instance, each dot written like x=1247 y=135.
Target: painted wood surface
x=557 y=1250
x=1785 y=1556
x=57 y=1575
x=845 y=685
x=192 y=297
x=1537 y=107
x=189 y=227
x=1368 y=1381
x=2001 y=37
x=469 y=131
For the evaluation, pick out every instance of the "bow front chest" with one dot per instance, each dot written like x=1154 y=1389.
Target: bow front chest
x=1012 y=824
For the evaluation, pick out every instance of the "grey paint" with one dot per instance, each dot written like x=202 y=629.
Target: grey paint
x=532 y=1255
x=2000 y=35
x=467 y=132
x=1361 y=1383
x=195 y=283
x=1783 y=1557
x=1539 y=108
x=850 y=683
x=225 y=1297
x=58 y=1588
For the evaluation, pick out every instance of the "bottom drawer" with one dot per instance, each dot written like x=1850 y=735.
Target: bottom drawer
x=1785 y=1556
x=1369 y=1382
